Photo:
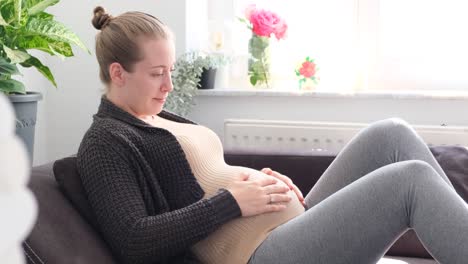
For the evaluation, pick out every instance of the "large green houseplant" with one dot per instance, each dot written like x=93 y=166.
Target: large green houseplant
x=24 y=26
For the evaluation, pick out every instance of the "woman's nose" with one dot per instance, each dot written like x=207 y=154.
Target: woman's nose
x=167 y=86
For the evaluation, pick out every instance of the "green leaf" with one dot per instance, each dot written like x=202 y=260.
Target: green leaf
x=34 y=42
x=61 y=49
x=2 y=21
x=16 y=56
x=44 y=16
x=12 y=86
x=253 y=80
x=7 y=68
x=52 y=47
x=18 y=10
x=53 y=30
x=7 y=11
x=37 y=6
x=33 y=61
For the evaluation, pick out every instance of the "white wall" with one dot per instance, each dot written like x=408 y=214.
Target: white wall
x=212 y=110
x=66 y=113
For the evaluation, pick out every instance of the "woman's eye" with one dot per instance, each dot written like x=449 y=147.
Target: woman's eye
x=156 y=74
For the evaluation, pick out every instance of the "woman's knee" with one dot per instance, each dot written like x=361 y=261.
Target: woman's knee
x=391 y=125
x=392 y=129
x=417 y=171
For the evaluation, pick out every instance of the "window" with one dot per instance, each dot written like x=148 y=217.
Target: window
x=423 y=44
x=357 y=44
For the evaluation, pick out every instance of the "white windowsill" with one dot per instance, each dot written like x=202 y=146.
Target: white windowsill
x=438 y=95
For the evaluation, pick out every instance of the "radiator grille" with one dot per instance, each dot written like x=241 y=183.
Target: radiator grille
x=315 y=138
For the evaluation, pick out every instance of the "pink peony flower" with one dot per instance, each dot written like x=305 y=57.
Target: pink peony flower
x=248 y=10
x=264 y=23
x=280 y=32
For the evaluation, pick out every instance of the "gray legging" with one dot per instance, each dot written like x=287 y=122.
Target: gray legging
x=382 y=183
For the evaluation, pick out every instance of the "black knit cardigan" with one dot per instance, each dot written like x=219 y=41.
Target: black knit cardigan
x=146 y=199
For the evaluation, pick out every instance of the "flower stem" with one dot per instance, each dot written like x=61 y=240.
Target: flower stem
x=264 y=69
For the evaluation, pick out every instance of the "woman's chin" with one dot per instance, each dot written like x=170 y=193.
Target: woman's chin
x=157 y=108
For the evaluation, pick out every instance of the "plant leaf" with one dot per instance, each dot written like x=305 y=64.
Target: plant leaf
x=44 y=16
x=33 y=61
x=37 y=6
x=16 y=56
x=253 y=80
x=53 y=30
x=12 y=86
x=2 y=20
x=7 y=68
x=18 y=10
x=33 y=42
x=62 y=49
x=52 y=47
x=7 y=11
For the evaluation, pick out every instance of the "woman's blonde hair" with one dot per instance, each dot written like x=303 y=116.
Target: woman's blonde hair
x=119 y=36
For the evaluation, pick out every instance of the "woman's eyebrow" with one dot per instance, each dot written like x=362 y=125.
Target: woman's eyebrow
x=158 y=66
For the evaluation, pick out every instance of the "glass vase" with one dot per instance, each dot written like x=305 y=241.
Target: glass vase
x=259 y=61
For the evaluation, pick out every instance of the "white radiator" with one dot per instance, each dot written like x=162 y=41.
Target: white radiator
x=315 y=138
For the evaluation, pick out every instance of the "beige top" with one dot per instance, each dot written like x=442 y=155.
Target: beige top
x=235 y=241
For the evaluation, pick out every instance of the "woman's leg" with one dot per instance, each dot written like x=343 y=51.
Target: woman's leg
x=382 y=143
x=359 y=222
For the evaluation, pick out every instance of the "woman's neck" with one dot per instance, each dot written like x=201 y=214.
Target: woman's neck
x=117 y=100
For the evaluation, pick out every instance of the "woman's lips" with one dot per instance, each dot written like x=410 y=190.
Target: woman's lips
x=161 y=100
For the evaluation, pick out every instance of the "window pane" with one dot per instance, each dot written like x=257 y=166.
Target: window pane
x=423 y=45
x=324 y=30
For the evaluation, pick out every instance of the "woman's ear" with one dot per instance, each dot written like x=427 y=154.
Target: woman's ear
x=116 y=74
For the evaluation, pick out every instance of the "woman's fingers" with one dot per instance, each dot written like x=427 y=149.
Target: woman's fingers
x=274 y=207
x=278 y=175
x=266 y=181
x=275 y=188
x=279 y=198
x=286 y=180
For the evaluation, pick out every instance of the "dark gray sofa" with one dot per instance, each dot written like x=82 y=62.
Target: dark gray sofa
x=65 y=231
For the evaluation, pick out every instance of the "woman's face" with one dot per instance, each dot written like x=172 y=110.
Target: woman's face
x=147 y=86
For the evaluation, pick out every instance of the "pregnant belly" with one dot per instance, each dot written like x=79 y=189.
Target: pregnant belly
x=236 y=240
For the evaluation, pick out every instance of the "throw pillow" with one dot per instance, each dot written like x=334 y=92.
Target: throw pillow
x=69 y=181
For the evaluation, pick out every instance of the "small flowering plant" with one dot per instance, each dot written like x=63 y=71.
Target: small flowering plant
x=307 y=74
x=263 y=24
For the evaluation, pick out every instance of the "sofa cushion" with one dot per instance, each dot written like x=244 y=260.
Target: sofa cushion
x=454 y=161
x=60 y=235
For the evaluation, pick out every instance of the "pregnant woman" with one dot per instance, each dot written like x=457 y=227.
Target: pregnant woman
x=162 y=193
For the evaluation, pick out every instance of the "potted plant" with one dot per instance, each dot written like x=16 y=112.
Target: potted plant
x=24 y=25
x=193 y=70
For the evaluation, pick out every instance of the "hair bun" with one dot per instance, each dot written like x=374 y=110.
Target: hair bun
x=100 y=18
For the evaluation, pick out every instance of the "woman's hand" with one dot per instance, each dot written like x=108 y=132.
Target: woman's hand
x=259 y=196
x=286 y=180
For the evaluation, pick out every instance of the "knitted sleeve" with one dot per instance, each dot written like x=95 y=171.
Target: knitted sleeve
x=136 y=237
